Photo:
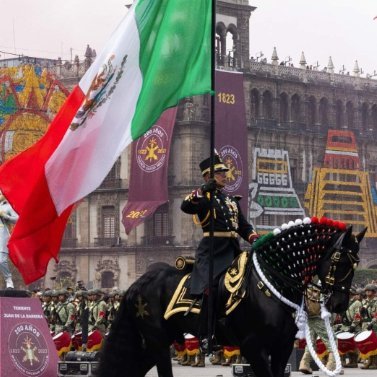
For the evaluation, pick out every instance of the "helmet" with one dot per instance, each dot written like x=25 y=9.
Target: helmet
x=47 y=293
x=370 y=287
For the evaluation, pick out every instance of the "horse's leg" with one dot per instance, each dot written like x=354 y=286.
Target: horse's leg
x=279 y=358
x=164 y=367
x=160 y=358
x=255 y=353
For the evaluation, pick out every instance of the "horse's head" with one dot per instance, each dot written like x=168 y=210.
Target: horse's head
x=337 y=268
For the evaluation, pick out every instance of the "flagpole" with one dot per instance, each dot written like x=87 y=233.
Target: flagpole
x=212 y=155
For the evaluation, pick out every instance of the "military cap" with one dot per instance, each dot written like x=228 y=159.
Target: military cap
x=218 y=165
x=370 y=287
x=359 y=291
x=54 y=293
x=79 y=293
x=63 y=292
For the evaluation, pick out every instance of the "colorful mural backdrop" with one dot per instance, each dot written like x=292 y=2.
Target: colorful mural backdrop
x=29 y=99
x=340 y=189
x=272 y=197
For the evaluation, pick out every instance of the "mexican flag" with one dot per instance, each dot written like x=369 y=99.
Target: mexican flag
x=159 y=54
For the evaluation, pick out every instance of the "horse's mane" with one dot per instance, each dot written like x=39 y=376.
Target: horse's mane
x=292 y=252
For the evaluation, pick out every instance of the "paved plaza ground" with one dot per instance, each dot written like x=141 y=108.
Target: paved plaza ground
x=220 y=371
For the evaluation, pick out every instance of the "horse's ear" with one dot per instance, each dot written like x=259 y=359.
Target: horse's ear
x=347 y=235
x=361 y=235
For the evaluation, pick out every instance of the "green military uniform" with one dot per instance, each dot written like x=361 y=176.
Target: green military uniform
x=97 y=312
x=53 y=306
x=82 y=309
x=317 y=328
x=351 y=319
x=47 y=306
x=368 y=314
x=65 y=315
x=368 y=311
x=113 y=307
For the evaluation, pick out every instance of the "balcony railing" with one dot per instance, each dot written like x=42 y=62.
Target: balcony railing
x=108 y=241
x=158 y=240
x=69 y=242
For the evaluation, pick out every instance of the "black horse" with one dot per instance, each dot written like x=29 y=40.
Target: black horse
x=261 y=324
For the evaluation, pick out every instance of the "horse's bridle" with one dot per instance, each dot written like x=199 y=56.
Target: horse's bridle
x=330 y=284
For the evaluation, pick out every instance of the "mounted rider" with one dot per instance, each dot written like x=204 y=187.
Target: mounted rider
x=229 y=223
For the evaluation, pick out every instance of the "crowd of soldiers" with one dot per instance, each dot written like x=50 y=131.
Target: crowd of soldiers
x=69 y=310
x=360 y=319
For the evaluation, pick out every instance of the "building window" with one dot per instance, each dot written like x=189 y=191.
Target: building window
x=364 y=116
x=108 y=221
x=323 y=112
x=254 y=104
x=296 y=108
x=339 y=119
x=107 y=279
x=161 y=222
x=267 y=105
x=350 y=114
x=70 y=229
x=312 y=111
x=284 y=107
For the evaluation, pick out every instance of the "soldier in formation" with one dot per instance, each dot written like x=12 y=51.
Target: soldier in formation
x=71 y=311
x=359 y=319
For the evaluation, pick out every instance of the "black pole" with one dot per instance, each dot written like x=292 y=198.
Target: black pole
x=212 y=155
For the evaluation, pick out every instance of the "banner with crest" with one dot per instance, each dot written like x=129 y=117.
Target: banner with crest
x=231 y=132
x=149 y=168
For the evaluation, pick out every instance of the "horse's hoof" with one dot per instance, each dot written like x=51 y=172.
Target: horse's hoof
x=306 y=371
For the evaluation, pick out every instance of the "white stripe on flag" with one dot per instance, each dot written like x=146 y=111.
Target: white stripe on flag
x=86 y=154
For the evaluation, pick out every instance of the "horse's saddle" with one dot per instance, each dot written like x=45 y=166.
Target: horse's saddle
x=233 y=285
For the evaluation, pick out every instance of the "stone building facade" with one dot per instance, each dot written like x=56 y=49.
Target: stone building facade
x=288 y=109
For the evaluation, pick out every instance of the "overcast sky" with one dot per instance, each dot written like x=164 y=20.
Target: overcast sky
x=342 y=29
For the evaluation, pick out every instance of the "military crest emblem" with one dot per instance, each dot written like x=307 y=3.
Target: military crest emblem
x=233 y=161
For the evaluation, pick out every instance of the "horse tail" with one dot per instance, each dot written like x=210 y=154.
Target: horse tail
x=122 y=350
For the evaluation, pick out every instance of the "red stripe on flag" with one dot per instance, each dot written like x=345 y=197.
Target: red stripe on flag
x=37 y=235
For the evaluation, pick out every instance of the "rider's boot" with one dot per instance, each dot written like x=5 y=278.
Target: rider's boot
x=200 y=360
x=304 y=366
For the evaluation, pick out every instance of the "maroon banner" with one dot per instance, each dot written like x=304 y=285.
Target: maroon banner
x=149 y=168
x=231 y=132
x=27 y=348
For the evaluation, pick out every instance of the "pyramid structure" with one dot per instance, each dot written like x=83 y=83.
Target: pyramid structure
x=340 y=189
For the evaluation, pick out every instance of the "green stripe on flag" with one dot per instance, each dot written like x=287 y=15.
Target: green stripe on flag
x=175 y=56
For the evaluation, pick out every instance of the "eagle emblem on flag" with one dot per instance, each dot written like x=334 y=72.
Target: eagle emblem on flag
x=98 y=92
